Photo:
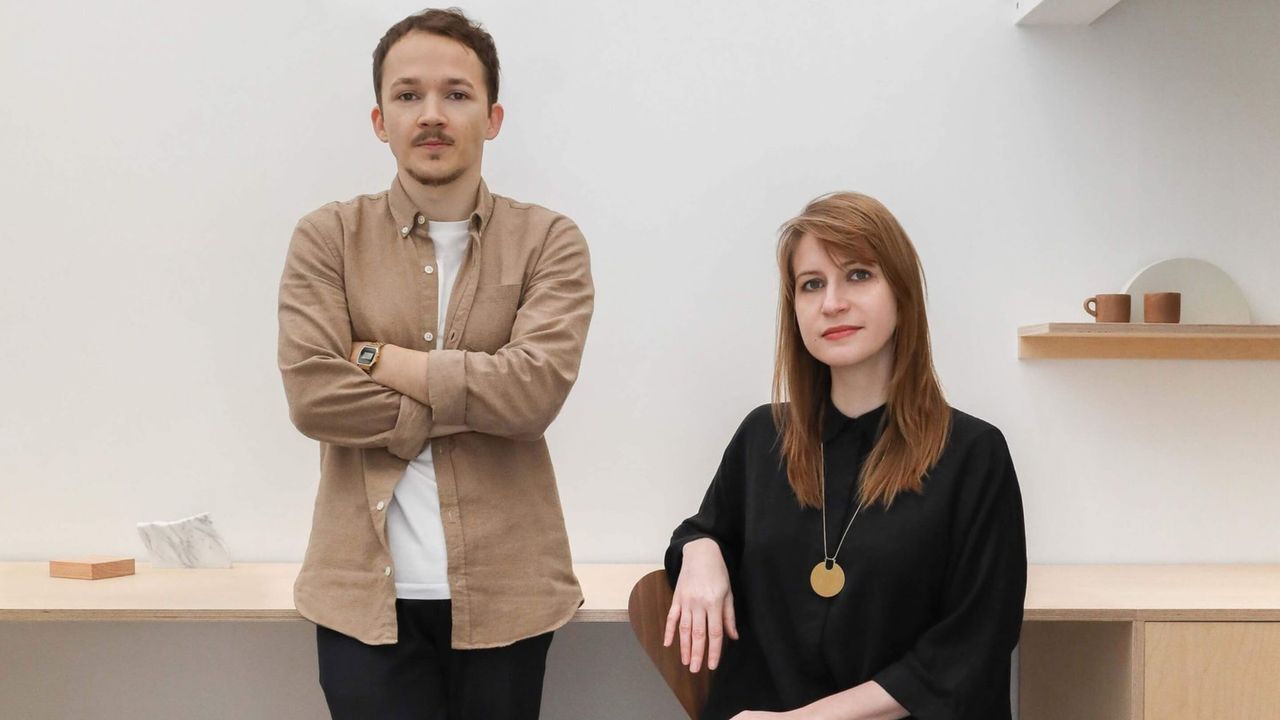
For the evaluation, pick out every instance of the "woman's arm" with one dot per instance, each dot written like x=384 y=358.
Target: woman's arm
x=867 y=701
x=702 y=606
x=962 y=661
x=704 y=550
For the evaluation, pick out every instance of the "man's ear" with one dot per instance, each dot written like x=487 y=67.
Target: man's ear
x=379 y=128
x=496 y=113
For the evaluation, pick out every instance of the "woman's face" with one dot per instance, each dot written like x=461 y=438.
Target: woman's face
x=846 y=313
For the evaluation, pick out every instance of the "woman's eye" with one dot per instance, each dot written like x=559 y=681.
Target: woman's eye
x=860 y=274
x=811 y=284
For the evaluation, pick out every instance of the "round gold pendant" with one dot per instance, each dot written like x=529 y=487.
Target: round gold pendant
x=827 y=583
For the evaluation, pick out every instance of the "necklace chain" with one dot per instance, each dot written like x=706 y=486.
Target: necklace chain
x=822 y=473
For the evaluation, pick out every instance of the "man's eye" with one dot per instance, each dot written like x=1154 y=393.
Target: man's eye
x=407 y=96
x=457 y=96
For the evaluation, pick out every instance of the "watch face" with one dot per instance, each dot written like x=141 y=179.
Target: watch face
x=366 y=355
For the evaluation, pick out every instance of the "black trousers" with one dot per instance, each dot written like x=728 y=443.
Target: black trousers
x=422 y=678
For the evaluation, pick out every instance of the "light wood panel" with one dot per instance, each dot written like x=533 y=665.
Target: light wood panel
x=1160 y=341
x=1213 y=670
x=1074 y=670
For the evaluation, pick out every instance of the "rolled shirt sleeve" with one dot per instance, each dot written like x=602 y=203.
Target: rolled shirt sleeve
x=517 y=391
x=330 y=399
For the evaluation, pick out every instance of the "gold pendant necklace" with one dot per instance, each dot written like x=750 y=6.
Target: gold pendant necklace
x=827 y=577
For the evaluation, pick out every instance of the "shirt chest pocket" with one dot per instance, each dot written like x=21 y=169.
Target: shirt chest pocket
x=493 y=312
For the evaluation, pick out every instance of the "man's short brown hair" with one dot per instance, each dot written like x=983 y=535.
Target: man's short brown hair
x=451 y=23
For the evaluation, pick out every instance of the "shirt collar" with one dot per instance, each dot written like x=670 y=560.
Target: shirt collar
x=834 y=422
x=407 y=216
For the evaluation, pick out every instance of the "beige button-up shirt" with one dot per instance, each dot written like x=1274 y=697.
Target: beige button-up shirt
x=517 y=323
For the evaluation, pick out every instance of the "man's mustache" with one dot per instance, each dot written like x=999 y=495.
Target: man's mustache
x=429 y=135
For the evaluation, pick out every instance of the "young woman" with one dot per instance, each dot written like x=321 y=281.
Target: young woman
x=860 y=552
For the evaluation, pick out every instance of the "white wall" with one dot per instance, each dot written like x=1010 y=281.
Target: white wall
x=156 y=156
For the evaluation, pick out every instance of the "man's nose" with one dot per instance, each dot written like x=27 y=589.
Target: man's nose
x=431 y=113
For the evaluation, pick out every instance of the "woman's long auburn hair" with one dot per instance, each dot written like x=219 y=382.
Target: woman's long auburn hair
x=917 y=420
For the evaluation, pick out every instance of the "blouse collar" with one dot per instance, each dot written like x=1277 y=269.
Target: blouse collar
x=835 y=422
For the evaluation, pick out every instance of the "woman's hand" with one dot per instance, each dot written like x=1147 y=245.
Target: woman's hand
x=702 y=607
x=760 y=715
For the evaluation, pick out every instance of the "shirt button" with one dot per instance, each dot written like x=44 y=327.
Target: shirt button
x=428 y=337
x=428 y=269
x=387 y=571
x=422 y=219
x=381 y=504
x=404 y=230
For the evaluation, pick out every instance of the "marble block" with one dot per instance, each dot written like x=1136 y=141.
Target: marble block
x=189 y=543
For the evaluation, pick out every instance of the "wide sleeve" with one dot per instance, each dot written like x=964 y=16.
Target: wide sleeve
x=962 y=660
x=517 y=391
x=330 y=399
x=720 y=517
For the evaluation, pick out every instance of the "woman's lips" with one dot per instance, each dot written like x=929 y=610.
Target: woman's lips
x=841 y=332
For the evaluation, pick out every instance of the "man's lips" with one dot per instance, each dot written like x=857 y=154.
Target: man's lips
x=840 y=331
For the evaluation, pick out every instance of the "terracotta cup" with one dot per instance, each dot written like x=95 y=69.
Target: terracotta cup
x=1112 y=308
x=1162 y=307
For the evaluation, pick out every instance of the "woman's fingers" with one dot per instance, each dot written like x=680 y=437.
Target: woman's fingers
x=673 y=620
x=715 y=636
x=730 y=619
x=686 y=628
x=698 y=635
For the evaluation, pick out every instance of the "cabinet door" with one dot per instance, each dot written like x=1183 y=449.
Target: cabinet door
x=1212 y=670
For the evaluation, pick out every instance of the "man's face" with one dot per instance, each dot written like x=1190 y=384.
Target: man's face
x=435 y=110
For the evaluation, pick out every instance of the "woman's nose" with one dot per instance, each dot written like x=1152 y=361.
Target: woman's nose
x=833 y=302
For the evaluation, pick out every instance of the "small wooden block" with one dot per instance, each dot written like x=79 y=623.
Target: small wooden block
x=91 y=568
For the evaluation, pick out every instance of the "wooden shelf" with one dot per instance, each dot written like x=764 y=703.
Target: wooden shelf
x=1060 y=12
x=1160 y=341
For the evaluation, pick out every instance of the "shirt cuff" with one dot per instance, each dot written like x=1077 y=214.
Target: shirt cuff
x=413 y=428
x=447 y=386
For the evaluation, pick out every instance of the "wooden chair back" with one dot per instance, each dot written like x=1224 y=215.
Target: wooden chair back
x=648 y=607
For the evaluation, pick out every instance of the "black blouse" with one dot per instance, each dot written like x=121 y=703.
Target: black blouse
x=932 y=603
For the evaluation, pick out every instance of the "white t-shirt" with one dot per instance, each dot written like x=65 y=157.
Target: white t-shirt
x=414 y=529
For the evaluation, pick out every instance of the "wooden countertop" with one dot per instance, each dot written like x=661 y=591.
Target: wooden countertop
x=1153 y=592
x=264 y=591
x=247 y=591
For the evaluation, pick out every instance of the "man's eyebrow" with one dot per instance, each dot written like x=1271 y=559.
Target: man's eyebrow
x=415 y=82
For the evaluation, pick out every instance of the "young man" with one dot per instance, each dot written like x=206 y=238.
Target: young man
x=429 y=334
